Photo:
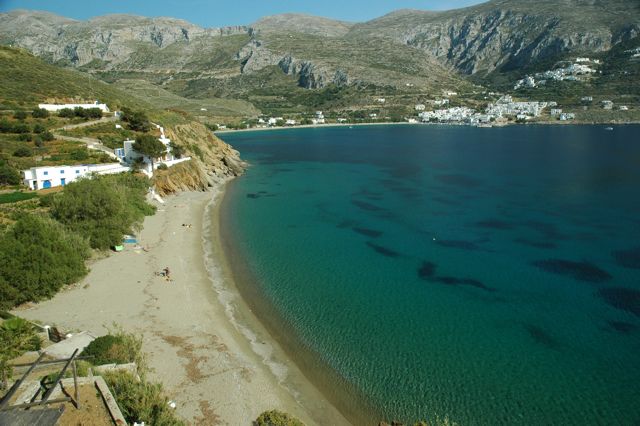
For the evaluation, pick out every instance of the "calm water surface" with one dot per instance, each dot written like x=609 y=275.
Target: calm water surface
x=487 y=275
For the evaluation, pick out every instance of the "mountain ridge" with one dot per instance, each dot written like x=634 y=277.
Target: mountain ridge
x=405 y=51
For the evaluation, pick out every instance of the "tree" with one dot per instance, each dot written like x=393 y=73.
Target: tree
x=37 y=257
x=40 y=113
x=137 y=120
x=176 y=150
x=47 y=136
x=38 y=128
x=149 y=146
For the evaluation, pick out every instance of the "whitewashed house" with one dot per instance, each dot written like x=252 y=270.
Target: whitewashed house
x=128 y=155
x=54 y=176
x=58 y=107
x=421 y=107
x=319 y=119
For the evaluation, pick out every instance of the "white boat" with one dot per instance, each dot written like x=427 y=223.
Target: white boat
x=608 y=128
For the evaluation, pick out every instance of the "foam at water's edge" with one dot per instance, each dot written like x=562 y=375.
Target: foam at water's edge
x=229 y=298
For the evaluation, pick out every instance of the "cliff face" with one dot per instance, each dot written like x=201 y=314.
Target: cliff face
x=509 y=34
x=213 y=161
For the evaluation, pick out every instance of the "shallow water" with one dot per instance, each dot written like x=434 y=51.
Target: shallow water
x=487 y=275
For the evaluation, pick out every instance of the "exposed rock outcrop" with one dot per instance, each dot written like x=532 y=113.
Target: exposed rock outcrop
x=212 y=161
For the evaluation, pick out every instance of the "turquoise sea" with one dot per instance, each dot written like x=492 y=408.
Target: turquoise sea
x=488 y=275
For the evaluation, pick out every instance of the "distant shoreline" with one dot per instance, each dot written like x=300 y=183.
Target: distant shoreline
x=511 y=123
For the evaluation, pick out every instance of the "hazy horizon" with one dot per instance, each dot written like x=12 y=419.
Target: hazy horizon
x=210 y=14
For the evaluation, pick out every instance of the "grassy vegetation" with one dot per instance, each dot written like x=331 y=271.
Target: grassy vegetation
x=141 y=400
x=16 y=337
x=27 y=81
x=13 y=197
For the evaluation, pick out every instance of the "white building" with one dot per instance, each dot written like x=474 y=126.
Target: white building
x=319 y=118
x=607 y=104
x=290 y=122
x=381 y=100
x=53 y=176
x=555 y=111
x=129 y=155
x=420 y=107
x=58 y=107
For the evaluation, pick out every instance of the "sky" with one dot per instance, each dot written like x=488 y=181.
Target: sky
x=218 y=13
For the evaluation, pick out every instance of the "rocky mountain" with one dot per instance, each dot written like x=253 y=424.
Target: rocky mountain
x=509 y=34
x=407 y=51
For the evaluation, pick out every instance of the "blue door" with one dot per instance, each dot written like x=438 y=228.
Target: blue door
x=46 y=184
x=63 y=181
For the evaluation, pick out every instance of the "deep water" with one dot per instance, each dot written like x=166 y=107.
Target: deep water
x=487 y=275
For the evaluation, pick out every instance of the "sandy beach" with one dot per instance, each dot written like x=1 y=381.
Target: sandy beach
x=213 y=356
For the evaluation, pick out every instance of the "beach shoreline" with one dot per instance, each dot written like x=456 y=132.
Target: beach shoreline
x=203 y=342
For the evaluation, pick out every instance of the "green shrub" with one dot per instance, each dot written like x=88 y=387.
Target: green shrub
x=40 y=113
x=163 y=166
x=38 y=128
x=103 y=209
x=25 y=137
x=16 y=337
x=21 y=128
x=37 y=257
x=277 y=418
x=116 y=348
x=9 y=175
x=20 y=115
x=140 y=400
x=66 y=113
x=47 y=136
x=14 y=197
x=23 y=151
x=79 y=154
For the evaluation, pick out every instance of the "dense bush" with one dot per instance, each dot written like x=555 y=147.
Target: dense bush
x=23 y=151
x=47 y=136
x=85 y=113
x=21 y=128
x=40 y=113
x=38 y=128
x=66 y=113
x=25 y=137
x=277 y=418
x=141 y=401
x=8 y=174
x=163 y=166
x=20 y=115
x=37 y=257
x=103 y=209
x=118 y=348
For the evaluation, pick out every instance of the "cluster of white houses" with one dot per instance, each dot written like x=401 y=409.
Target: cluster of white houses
x=52 y=176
